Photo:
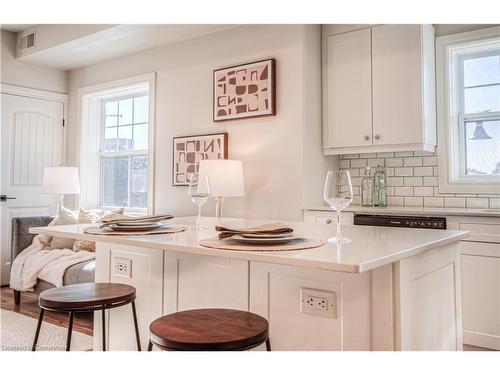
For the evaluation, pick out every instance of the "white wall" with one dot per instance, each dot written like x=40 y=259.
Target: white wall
x=281 y=155
x=28 y=75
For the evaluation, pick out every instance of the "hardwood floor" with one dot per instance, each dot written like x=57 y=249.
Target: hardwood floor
x=83 y=322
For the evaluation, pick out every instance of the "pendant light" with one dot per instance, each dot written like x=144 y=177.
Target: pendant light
x=479 y=132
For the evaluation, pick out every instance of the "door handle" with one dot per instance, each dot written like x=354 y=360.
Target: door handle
x=3 y=198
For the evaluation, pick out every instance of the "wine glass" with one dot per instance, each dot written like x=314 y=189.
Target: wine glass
x=338 y=195
x=199 y=192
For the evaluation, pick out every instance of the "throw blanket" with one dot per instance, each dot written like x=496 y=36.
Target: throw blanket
x=36 y=262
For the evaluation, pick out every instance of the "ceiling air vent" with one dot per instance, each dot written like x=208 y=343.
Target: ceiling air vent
x=26 y=41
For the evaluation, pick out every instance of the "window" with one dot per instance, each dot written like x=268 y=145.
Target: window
x=124 y=151
x=468 y=76
x=116 y=155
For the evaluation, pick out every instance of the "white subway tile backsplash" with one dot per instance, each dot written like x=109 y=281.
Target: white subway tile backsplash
x=395 y=181
x=423 y=191
x=423 y=171
x=394 y=162
x=412 y=180
x=358 y=163
x=375 y=162
x=414 y=201
x=344 y=164
x=394 y=201
x=385 y=154
x=406 y=191
x=412 y=162
x=433 y=202
x=477 y=202
x=430 y=181
x=429 y=161
x=454 y=202
x=403 y=171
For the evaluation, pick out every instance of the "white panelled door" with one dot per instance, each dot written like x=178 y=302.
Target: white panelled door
x=31 y=139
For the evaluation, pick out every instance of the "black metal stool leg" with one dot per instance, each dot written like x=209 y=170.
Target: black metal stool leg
x=150 y=346
x=38 y=326
x=268 y=345
x=70 y=330
x=136 y=326
x=103 y=330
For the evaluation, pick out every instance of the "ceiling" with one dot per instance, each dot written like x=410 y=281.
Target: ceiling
x=116 y=41
x=15 y=28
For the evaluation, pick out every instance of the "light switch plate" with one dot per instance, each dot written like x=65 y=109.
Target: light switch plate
x=122 y=267
x=318 y=302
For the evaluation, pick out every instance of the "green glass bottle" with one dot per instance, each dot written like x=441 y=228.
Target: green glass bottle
x=380 y=187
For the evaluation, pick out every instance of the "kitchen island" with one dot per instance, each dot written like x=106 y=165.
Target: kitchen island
x=388 y=289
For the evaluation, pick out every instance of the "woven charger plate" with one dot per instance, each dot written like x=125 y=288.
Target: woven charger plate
x=111 y=232
x=230 y=244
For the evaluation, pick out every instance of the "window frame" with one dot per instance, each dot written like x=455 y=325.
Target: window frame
x=451 y=51
x=117 y=154
x=90 y=115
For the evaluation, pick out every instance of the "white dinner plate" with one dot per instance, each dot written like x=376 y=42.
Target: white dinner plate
x=135 y=228
x=263 y=241
x=261 y=235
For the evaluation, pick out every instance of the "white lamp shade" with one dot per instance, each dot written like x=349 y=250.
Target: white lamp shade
x=226 y=177
x=61 y=180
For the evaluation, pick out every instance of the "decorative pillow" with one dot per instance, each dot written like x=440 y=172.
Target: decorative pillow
x=85 y=245
x=96 y=215
x=65 y=217
x=92 y=216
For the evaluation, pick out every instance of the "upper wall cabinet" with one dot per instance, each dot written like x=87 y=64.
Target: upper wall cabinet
x=378 y=91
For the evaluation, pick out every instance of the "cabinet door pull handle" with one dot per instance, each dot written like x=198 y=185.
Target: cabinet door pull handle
x=366 y=137
x=377 y=136
x=328 y=221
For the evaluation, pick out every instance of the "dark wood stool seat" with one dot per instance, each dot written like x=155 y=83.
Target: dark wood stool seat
x=210 y=330
x=87 y=297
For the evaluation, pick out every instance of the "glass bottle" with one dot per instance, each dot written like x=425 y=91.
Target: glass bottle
x=367 y=188
x=380 y=187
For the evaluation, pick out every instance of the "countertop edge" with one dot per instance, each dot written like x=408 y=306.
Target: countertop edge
x=258 y=256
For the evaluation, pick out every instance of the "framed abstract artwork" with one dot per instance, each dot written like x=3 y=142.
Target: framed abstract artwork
x=245 y=91
x=190 y=150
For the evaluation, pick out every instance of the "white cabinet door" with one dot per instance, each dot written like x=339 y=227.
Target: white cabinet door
x=141 y=268
x=198 y=281
x=481 y=297
x=397 y=84
x=348 y=95
x=328 y=217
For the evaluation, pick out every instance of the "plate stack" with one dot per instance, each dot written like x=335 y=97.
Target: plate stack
x=266 y=234
x=123 y=223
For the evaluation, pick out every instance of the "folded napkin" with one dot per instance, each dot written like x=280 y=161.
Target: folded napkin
x=271 y=228
x=120 y=218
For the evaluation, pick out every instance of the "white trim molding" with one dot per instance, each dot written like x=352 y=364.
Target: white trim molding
x=89 y=138
x=450 y=150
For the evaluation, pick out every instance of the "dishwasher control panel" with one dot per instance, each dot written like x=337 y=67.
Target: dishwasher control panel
x=425 y=222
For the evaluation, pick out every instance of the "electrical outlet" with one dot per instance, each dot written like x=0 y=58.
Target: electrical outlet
x=122 y=267
x=318 y=302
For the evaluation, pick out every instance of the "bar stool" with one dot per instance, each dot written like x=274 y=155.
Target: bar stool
x=86 y=297
x=209 y=329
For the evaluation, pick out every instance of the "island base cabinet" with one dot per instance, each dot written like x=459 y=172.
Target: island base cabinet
x=199 y=281
x=428 y=304
x=143 y=269
x=277 y=293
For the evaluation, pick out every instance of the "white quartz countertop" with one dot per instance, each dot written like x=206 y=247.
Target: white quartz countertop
x=420 y=211
x=370 y=247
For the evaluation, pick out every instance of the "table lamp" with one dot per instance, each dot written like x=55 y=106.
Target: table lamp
x=60 y=181
x=226 y=180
